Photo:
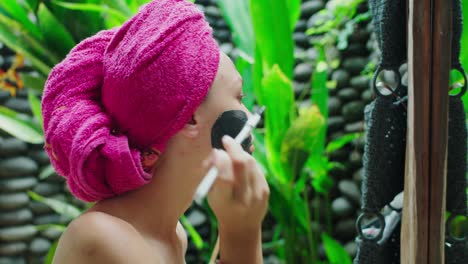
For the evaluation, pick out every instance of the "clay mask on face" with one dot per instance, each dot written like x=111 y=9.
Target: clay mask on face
x=229 y=123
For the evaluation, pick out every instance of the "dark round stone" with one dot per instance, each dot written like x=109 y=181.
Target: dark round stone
x=355 y=49
x=301 y=39
x=311 y=7
x=361 y=83
x=301 y=26
x=222 y=35
x=348 y=94
x=353 y=111
x=196 y=218
x=339 y=155
x=341 y=77
x=47 y=219
x=342 y=207
x=346 y=230
x=367 y=96
x=39 y=208
x=350 y=189
x=19 y=104
x=213 y=11
x=351 y=248
x=17 y=184
x=360 y=35
x=18 y=233
x=17 y=167
x=15 y=217
x=303 y=72
x=354 y=127
x=12 y=260
x=335 y=123
x=358 y=176
x=51 y=233
x=47 y=189
x=12 y=249
x=12 y=201
x=355 y=65
x=12 y=147
x=4 y=95
x=39 y=246
x=311 y=54
x=40 y=156
x=301 y=89
x=221 y=24
x=334 y=106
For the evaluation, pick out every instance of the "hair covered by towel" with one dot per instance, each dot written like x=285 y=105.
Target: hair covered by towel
x=123 y=91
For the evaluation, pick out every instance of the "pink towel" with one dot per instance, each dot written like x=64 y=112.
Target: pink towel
x=124 y=91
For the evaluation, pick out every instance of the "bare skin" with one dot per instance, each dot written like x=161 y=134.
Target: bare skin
x=142 y=226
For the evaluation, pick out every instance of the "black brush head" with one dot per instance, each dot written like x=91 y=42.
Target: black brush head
x=229 y=123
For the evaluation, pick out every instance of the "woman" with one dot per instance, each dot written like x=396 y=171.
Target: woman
x=127 y=118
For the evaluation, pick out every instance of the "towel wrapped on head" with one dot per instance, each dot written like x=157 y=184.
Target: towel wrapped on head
x=124 y=91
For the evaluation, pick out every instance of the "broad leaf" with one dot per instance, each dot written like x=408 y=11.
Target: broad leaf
x=115 y=14
x=236 y=14
x=56 y=36
x=20 y=126
x=341 y=142
x=294 y=7
x=336 y=254
x=50 y=254
x=17 y=12
x=34 y=82
x=35 y=107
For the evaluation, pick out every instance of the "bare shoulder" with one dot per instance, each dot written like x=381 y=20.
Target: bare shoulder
x=97 y=237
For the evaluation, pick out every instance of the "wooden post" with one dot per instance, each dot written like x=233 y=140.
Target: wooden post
x=429 y=63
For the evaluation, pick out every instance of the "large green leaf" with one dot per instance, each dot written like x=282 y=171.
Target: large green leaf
x=120 y=5
x=341 y=142
x=35 y=107
x=33 y=82
x=236 y=14
x=50 y=254
x=19 y=13
x=16 y=38
x=273 y=34
x=56 y=36
x=196 y=238
x=294 y=7
x=279 y=115
x=115 y=14
x=58 y=206
x=20 y=126
x=336 y=254
x=464 y=46
x=245 y=69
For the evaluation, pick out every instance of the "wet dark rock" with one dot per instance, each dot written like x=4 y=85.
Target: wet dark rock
x=17 y=167
x=354 y=127
x=334 y=106
x=311 y=7
x=361 y=83
x=301 y=26
x=301 y=39
x=40 y=156
x=353 y=111
x=39 y=246
x=222 y=35
x=301 y=89
x=350 y=189
x=335 y=123
x=355 y=65
x=47 y=189
x=355 y=49
x=339 y=155
x=303 y=72
x=196 y=218
x=51 y=233
x=348 y=94
x=20 y=216
x=39 y=208
x=358 y=176
x=342 y=207
x=351 y=248
x=341 y=77
x=367 y=96
x=345 y=230
x=4 y=95
x=12 y=260
x=12 y=201
x=355 y=159
x=17 y=184
x=213 y=11
x=360 y=35
x=48 y=219
x=19 y=104
x=12 y=147
x=12 y=249
x=18 y=233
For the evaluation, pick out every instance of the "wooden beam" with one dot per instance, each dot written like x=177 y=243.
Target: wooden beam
x=429 y=49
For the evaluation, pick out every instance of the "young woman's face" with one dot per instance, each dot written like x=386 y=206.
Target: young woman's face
x=225 y=94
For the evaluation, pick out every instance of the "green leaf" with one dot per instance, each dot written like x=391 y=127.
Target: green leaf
x=16 y=38
x=301 y=138
x=464 y=48
x=35 y=83
x=115 y=14
x=47 y=172
x=119 y=5
x=245 y=69
x=335 y=252
x=56 y=36
x=50 y=254
x=236 y=14
x=35 y=107
x=273 y=34
x=196 y=238
x=50 y=226
x=18 y=13
x=32 y=4
x=294 y=7
x=20 y=126
x=279 y=115
x=341 y=142
x=58 y=206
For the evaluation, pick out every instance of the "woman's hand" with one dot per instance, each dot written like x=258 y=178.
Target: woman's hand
x=239 y=197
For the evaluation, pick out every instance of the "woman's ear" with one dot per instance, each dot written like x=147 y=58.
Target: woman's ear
x=191 y=129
